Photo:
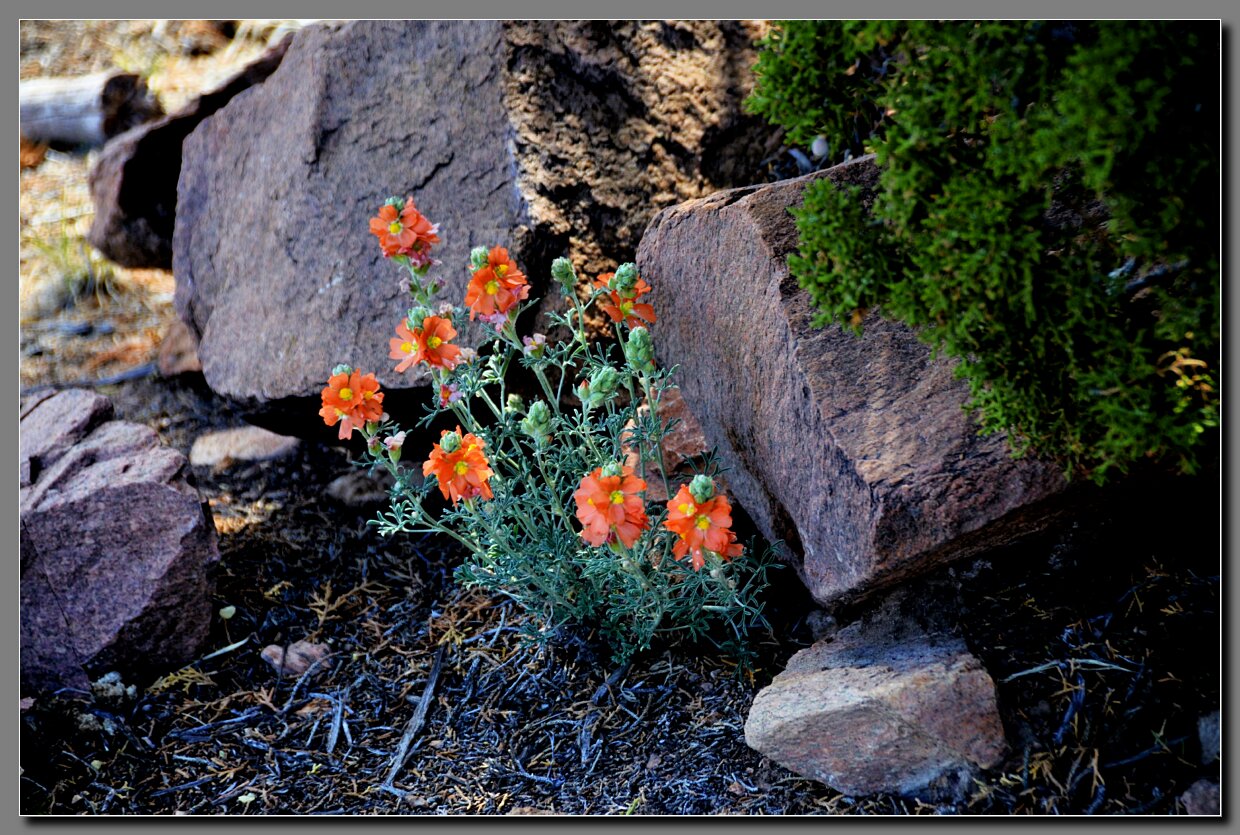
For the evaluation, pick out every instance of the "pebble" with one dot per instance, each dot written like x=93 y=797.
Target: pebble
x=245 y=443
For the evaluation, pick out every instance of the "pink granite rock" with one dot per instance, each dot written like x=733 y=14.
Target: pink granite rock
x=116 y=546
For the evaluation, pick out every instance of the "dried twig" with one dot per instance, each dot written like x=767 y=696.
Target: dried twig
x=416 y=721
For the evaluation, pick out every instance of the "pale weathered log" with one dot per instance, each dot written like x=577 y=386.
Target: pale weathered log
x=87 y=110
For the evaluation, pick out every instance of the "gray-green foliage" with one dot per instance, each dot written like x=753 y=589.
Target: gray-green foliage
x=524 y=542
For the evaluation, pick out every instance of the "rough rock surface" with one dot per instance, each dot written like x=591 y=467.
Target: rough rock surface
x=893 y=703
x=178 y=351
x=133 y=184
x=116 y=546
x=552 y=138
x=244 y=443
x=854 y=452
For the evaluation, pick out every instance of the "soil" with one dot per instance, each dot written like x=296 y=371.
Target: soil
x=1103 y=637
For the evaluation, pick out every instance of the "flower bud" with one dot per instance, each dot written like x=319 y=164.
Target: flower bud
x=564 y=274
x=602 y=385
x=478 y=258
x=416 y=317
x=342 y=369
x=396 y=202
x=537 y=422
x=624 y=282
x=450 y=442
x=639 y=349
x=702 y=488
x=515 y=404
x=612 y=469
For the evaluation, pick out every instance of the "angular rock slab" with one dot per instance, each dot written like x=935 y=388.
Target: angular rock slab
x=551 y=138
x=116 y=546
x=854 y=452
x=133 y=183
x=892 y=704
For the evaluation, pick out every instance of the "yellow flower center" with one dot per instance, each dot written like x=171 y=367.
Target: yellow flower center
x=394 y=228
x=702 y=522
x=366 y=395
x=501 y=270
x=491 y=287
x=617 y=496
x=626 y=308
x=685 y=508
x=346 y=393
x=434 y=342
x=460 y=468
x=407 y=347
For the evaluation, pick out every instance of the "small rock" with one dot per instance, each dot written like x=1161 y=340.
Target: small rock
x=245 y=443
x=1208 y=728
x=296 y=659
x=358 y=488
x=685 y=442
x=111 y=688
x=893 y=704
x=1202 y=798
x=178 y=351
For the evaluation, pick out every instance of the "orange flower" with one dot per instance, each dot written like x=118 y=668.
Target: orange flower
x=609 y=507
x=404 y=347
x=430 y=343
x=701 y=526
x=351 y=399
x=460 y=466
x=404 y=231
x=496 y=287
x=626 y=310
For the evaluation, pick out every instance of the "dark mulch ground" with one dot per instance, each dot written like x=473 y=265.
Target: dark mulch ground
x=1103 y=642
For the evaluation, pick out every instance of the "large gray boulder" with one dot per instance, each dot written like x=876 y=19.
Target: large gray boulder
x=855 y=453
x=551 y=138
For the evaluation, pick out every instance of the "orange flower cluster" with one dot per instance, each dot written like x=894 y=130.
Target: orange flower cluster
x=497 y=286
x=701 y=526
x=611 y=507
x=352 y=400
x=626 y=309
x=404 y=231
x=430 y=343
x=460 y=466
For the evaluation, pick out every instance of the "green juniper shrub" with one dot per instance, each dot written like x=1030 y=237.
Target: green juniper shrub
x=1046 y=212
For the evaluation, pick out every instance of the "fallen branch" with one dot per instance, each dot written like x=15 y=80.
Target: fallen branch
x=87 y=110
x=416 y=721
